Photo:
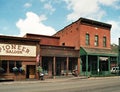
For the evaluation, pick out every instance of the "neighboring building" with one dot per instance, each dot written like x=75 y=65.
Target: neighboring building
x=83 y=46
x=33 y=50
x=18 y=52
x=92 y=38
x=56 y=59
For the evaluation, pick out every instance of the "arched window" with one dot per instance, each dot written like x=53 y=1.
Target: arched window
x=104 y=41
x=96 y=40
x=87 y=39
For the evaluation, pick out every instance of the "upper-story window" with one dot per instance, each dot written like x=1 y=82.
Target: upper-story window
x=104 y=41
x=96 y=40
x=87 y=39
x=63 y=44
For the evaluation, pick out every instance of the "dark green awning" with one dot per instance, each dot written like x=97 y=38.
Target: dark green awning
x=97 y=51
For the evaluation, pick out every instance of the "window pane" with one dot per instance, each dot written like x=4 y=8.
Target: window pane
x=11 y=65
x=4 y=66
x=87 y=39
x=18 y=64
x=104 y=41
x=96 y=40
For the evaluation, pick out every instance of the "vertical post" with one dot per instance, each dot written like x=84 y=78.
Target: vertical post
x=37 y=59
x=40 y=61
x=98 y=68
x=109 y=65
x=117 y=60
x=87 y=66
x=67 y=64
x=54 y=69
x=117 y=63
x=78 y=65
x=81 y=62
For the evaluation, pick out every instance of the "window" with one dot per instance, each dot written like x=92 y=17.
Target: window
x=11 y=65
x=4 y=66
x=8 y=65
x=104 y=41
x=96 y=40
x=87 y=39
x=18 y=64
x=63 y=44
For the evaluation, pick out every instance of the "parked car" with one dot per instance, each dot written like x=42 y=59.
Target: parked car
x=115 y=70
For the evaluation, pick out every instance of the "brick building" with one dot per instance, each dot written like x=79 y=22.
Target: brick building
x=33 y=50
x=83 y=46
x=92 y=38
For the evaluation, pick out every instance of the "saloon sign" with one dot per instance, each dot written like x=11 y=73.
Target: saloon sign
x=17 y=50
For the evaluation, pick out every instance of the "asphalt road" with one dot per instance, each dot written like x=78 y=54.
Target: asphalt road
x=72 y=85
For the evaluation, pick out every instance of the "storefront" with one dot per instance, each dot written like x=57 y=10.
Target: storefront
x=59 y=60
x=18 y=57
x=97 y=62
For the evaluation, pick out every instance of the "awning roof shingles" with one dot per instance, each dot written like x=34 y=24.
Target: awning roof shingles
x=97 y=51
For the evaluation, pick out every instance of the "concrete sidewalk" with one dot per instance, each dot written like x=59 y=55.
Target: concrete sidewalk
x=43 y=81
x=54 y=80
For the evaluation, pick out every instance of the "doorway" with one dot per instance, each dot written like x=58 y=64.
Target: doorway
x=30 y=71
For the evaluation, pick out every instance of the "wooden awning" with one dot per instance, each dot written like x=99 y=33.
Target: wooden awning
x=97 y=51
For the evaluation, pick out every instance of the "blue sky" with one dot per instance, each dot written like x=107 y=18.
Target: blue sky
x=18 y=17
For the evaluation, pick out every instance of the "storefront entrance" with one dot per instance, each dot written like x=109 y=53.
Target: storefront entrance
x=30 y=71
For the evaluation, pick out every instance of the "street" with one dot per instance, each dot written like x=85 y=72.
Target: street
x=73 y=85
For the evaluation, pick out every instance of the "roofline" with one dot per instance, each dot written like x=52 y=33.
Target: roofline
x=19 y=38
x=94 y=22
x=41 y=35
x=89 y=21
x=58 y=46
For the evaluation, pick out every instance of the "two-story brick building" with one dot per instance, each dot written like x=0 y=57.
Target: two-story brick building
x=92 y=38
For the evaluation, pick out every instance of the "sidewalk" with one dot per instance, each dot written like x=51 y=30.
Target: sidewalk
x=54 y=80
x=42 y=81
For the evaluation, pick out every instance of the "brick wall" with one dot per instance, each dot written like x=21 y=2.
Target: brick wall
x=69 y=36
x=46 y=40
x=75 y=35
x=92 y=31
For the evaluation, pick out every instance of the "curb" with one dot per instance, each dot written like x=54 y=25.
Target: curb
x=53 y=80
x=42 y=81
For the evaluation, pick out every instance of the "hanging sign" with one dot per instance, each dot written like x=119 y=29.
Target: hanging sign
x=103 y=58
x=17 y=50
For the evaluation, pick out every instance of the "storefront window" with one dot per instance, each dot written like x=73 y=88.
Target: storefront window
x=11 y=65
x=8 y=65
x=4 y=66
x=45 y=67
x=18 y=64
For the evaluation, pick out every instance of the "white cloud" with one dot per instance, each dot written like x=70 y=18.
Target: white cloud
x=88 y=8
x=49 y=7
x=108 y=2
x=42 y=0
x=115 y=31
x=84 y=8
x=27 y=5
x=34 y=24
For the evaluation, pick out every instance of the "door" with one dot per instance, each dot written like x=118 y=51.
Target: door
x=94 y=67
x=30 y=71
x=58 y=68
